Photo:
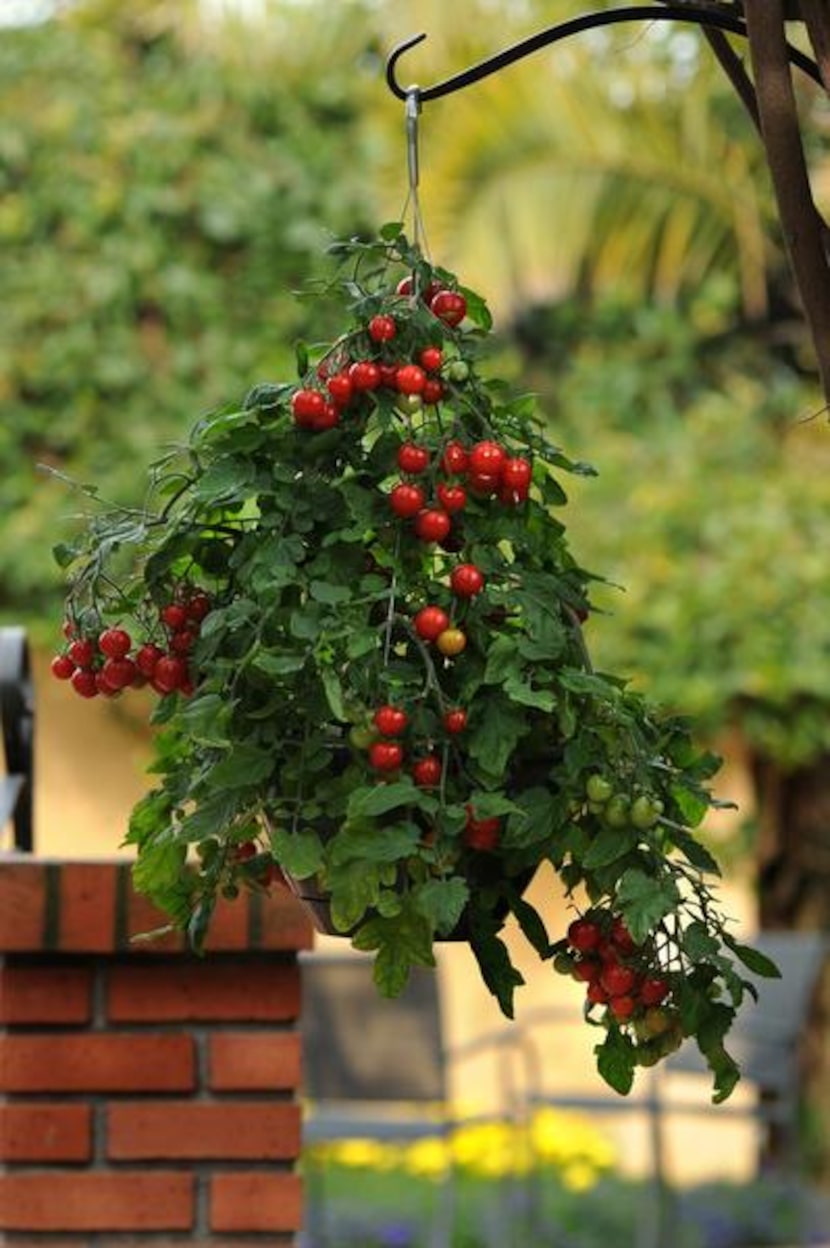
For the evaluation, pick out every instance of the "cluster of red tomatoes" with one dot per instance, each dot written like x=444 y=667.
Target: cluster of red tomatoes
x=109 y=662
x=618 y=973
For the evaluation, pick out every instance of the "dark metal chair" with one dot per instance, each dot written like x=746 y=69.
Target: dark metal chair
x=378 y=1069
x=17 y=717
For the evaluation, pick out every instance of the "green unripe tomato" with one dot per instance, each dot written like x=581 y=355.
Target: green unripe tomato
x=409 y=404
x=657 y=1021
x=458 y=370
x=644 y=813
x=563 y=965
x=598 y=788
x=617 y=811
x=362 y=736
x=596 y=808
x=647 y=1054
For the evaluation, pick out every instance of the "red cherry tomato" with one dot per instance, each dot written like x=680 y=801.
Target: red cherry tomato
x=452 y=498
x=431 y=359
x=82 y=652
x=406 y=286
x=587 y=970
x=388 y=375
x=516 y=473
x=118 y=673
x=622 y=1007
x=431 y=622
x=114 y=643
x=426 y=772
x=364 y=375
x=433 y=391
x=147 y=657
x=596 y=994
x=307 y=406
x=382 y=329
x=466 y=580
x=455 y=459
x=410 y=379
x=455 y=720
x=340 y=388
x=174 y=615
x=481 y=834
x=198 y=607
x=329 y=418
x=385 y=755
x=412 y=458
x=432 y=524
x=183 y=641
x=449 y=306
x=170 y=674
x=487 y=459
x=390 y=720
x=62 y=667
x=617 y=980
x=583 y=935
x=654 y=991
x=484 y=485
x=621 y=937
x=406 y=500
x=84 y=683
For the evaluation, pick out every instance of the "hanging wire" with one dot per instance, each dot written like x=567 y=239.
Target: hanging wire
x=412 y=99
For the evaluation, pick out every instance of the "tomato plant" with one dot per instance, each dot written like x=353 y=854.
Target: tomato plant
x=384 y=683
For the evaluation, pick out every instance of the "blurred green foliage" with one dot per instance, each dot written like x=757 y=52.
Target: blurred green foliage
x=159 y=202
x=712 y=508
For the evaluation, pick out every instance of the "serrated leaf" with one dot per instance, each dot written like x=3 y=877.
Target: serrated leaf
x=244 y=765
x=383 y=798
x=300 y=853
x=693 y=851
x=442 y=902
x=699 y=943
x=375 y=844
x=332 y=595
x=692 y=806
x=644 y=901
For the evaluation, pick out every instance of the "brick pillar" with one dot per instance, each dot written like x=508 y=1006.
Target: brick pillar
x=147 y=1097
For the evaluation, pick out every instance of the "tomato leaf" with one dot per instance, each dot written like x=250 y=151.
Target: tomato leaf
x=615 y=1061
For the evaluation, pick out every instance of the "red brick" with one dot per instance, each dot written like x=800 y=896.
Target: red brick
x=45 y=1132
x=178 y=1130
x=22 y=906
x=229 y=925
x=87 y=907
x=49 y=1200
x=262 y=1061
x=44 y=994
x=261 y=990
x=143 y=917
x=256 y=1201
x=96 y=1062
x=285 y=922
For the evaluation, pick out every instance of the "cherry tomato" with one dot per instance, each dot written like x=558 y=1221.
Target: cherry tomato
x=622 y=1007
x=617 y=980
x=487 y=459
x=455 y=720
x=410 y=379
x=432 y=524
x=431 y=622
x=597 y=788
x=644 y=812
x=455 y=459
x=512 y=495
x=516 y=473
x=596 y=994
x=329 y=417
x=170 y=674
x=147 y=657
x=433 y=391
x=84 y=683
x=481 y=834
x=412 y=458
x=406 y=286
x=426 y=772
x=118 y=673
x=114 y=643
x=174 y=615
x=340 y=388
x=382 y=329
x=451 y=642
x=406 y=500
x=449 y=306
x=362 y=736
x=408 y=404
x=198 y=607
x=307 y=406
x=483 y=484
x=452 y=498
x=62 y=667
x=431 y=359
x=654 y=991
x=584 y=935
x=182 y=641
x=82 y=652
x=587 y=970
x=388 y=375
x=364 y=375
x=390 y=720
x=385 y=755
x=458 y=371
x=466 y=580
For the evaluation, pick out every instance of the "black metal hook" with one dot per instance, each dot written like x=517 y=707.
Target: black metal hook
x=697 y=16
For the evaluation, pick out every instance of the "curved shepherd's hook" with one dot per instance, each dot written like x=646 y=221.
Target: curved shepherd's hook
x=696 y=16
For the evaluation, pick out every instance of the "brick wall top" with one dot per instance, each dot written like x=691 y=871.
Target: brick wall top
x=91 y=907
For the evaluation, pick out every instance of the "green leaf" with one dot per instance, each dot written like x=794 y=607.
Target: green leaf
x=532 y=926
x=300 y=853
x=616 y=1061
x=692 y=805
x=301 y=355
x=334 y=693
x=491 y=953
x=375 y=844
x=695 y=853
x=277 y=665
x=442 y=902
x=206 y=719
x=644 y=901
x=333 y=595
x=699 y=943
x=496 y=736
x=753 y=959
x=608 y=846
x=245 y=765
x=383 y=798
x=355 y=888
